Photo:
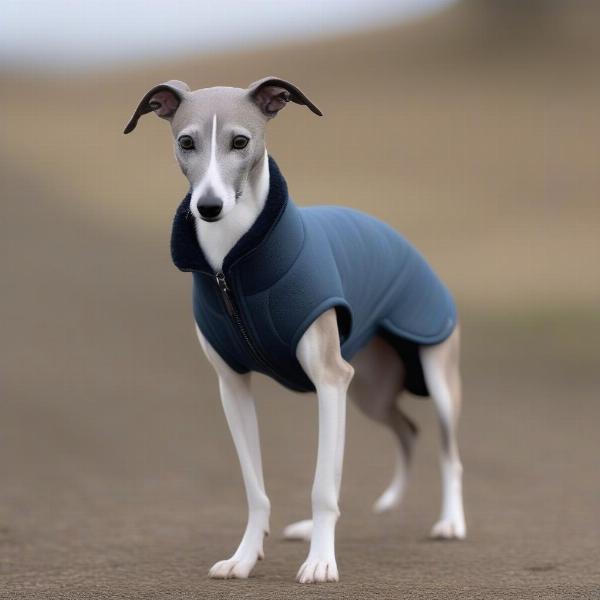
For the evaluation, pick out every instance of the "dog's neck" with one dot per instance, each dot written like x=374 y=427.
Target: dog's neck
x=217 y=238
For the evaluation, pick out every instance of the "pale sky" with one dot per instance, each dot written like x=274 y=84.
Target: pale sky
x=79 y=34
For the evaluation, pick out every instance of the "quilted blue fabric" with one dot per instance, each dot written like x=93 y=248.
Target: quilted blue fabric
x=295 y=263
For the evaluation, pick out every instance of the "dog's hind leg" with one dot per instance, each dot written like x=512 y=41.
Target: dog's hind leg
x=406 y=434
x=378 y=380
x=240 y=413
x=441 y=370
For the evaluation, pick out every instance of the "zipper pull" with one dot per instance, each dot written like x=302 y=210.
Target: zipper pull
x=225 y=292
x=222 y=282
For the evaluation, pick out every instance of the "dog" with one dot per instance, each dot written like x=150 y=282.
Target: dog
x=323 y=299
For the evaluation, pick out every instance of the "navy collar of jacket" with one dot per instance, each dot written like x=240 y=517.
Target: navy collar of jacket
x=279 y=212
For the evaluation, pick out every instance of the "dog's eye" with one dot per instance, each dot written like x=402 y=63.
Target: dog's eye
x=239 y=142
x=186 y=142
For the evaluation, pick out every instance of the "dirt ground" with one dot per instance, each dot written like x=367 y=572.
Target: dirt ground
x=118 y=477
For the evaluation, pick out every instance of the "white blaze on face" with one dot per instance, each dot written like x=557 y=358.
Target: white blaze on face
x=212 y=181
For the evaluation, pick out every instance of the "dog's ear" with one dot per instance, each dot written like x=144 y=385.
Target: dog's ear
x=163 y=99
x=272 y=94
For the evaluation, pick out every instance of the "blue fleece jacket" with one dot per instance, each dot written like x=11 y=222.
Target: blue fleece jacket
x=295 y=263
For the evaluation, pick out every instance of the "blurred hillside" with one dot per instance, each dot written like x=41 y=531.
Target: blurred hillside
x=474 y=132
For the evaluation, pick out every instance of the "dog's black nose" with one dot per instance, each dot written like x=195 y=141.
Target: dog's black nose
x=210 y=208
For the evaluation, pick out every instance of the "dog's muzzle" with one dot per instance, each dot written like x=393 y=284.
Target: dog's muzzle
x=209 y=208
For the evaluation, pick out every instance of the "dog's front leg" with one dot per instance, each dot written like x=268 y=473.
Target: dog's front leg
x=319 y=354
x=240 y=413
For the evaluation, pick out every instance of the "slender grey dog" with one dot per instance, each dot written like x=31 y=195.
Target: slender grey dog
x=219 y=136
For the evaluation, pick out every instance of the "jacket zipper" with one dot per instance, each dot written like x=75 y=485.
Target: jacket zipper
x=234 y=314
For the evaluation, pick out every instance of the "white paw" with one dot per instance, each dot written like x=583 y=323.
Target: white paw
x=301 y=530
x=318 y=571
x=449 y=529
x=232 y=568
x=388 y=500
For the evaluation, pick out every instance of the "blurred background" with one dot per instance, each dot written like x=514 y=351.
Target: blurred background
x=471 y=126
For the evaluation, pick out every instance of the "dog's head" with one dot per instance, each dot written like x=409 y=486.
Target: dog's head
x=219 y=135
